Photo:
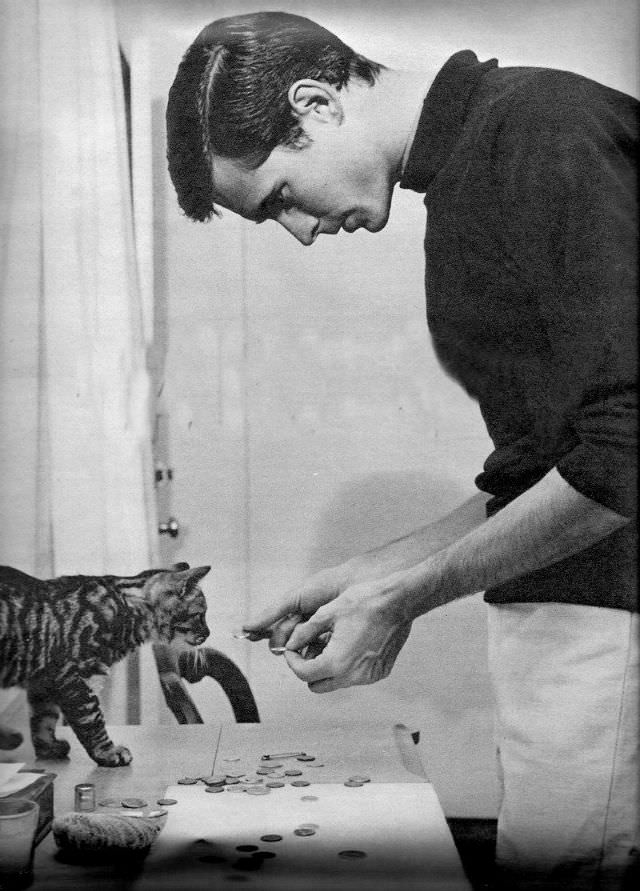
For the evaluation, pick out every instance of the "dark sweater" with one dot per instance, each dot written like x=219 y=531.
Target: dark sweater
x=531 y=277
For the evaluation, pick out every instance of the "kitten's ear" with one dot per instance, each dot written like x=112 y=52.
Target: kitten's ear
x=178 y=567
x=198 y=573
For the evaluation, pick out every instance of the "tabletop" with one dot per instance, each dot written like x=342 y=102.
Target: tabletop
x=316 y=762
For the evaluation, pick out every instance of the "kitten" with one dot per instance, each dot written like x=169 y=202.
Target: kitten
x=56 y=633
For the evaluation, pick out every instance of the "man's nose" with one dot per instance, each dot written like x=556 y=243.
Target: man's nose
x=301 y=225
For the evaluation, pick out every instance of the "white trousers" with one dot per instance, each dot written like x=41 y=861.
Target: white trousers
x=566 y=687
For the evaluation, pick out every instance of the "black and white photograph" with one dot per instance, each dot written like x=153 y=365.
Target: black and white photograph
x=318 y=445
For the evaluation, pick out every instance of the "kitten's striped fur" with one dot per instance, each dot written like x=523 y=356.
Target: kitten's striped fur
x=55 y=634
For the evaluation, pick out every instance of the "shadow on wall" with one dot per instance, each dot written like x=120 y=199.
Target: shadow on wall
x=377 y=508
x=444 y=662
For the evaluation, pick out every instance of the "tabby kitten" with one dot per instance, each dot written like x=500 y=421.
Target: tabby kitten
x=57 y=633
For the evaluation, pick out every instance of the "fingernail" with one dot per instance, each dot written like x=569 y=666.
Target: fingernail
x=278 y=650
x=241 y=635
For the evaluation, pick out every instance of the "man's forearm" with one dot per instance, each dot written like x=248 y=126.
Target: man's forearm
x=420 y=544
x=549 y=522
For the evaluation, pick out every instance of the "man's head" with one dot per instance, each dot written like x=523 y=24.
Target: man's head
x=255 y=105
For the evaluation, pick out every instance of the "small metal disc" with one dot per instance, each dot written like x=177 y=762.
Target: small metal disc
x=304 y=831
x=271 y=838
x=308 y=797
x=165 y=802
x=214 y=789
x=257 y=790
x=353 y=784
x=187 y=781
x=300 y=783
x=275 y=784
x=360 y=779
x=293 y=773
x=215 y=780
x=352 y=855
x=306 y=757
x=133 y=802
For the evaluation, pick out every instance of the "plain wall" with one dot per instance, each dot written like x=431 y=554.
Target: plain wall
x=306 y=416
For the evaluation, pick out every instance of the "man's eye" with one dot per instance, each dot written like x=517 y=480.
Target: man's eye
x=278 y=202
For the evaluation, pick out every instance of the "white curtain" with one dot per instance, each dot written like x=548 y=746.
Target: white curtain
x=76 y=477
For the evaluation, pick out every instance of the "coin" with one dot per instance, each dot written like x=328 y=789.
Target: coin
x=306 y=758
x=276 y=774
x=187 y=781
x=214 y=789
x=214 y=780
x=360 y=779
x=352 y=855
x=263 y=771
x=308 y=797
x=275 y=784
x=304 y=831
x=300 y=783
x=317 y=764
x=234 y=774
x=133 y=802
x=308 y=826
x=235 y=788
x=271 y=838
x=166 y=801
x=293 y=773
x=257 y=790
x=231 y=781
x=353 y=784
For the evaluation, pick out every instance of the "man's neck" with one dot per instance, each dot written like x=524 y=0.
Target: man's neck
x=395 y=110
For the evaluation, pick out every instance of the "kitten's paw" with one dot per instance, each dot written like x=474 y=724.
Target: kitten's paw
x=9 y=739
x=112 y=756
x=51 y=749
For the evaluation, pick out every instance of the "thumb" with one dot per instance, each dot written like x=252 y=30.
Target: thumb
x=309 y=631
x=268 y=617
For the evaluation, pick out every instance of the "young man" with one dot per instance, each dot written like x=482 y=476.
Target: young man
x=531 y=252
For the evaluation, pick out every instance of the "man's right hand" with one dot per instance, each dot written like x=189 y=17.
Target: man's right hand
x=277 y=621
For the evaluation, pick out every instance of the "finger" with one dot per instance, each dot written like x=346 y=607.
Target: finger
x=310 y=671
x=263 y=622
x=328 y=685
x=309 y=632
x=281 y=631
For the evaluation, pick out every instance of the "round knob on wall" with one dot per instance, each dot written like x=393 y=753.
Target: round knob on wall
x=171 y=527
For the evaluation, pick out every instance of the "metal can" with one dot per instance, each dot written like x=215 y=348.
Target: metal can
x=85 y=797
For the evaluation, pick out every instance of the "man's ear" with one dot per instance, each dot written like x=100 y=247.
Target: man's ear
x=313 y=98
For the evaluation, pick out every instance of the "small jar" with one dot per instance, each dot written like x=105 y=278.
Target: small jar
x=85 y=797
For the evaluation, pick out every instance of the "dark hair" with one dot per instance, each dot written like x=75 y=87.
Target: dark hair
x=230 y=95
